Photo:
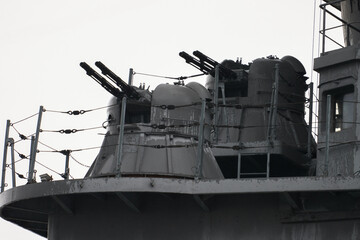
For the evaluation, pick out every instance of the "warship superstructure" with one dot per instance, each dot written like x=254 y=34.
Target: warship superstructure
x=234 y=159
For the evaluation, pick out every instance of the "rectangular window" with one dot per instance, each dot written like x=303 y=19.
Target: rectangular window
x=137 y=113
x=342 y=108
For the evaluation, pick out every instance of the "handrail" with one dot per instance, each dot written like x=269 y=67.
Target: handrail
x=331 y=39
x=323 y=31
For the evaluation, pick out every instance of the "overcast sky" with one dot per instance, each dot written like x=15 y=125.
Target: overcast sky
x=42 y=43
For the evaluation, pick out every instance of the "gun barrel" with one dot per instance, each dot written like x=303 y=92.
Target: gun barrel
x=202 y=66
x=101 y=80
x=205 y=58
x=223 y=70
x=207 y=65
x=128 y=90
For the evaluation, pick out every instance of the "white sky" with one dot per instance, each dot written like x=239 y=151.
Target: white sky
x=42 y=43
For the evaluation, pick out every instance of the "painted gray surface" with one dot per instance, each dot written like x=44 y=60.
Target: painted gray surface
x=255 y=216
x=175 y=129
x=253 y=115
x=161 y=208
x=350 y=12
x=151 y=161
x=339 y=69
x=176 y=154
x=183 y=186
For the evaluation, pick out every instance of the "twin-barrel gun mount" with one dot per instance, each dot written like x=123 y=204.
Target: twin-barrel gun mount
x=202 y=62
x=207 y=65
x=125 y=89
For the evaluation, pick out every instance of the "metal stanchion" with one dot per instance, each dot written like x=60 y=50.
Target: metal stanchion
x=121 y=137
x=6 y=143
x=201 y=139
x=327 y=145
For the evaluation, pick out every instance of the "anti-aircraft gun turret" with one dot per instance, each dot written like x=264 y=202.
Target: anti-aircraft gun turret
x=159 y=134
x=259 y=126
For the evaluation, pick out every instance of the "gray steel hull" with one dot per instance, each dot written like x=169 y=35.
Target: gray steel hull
x=158 y=208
